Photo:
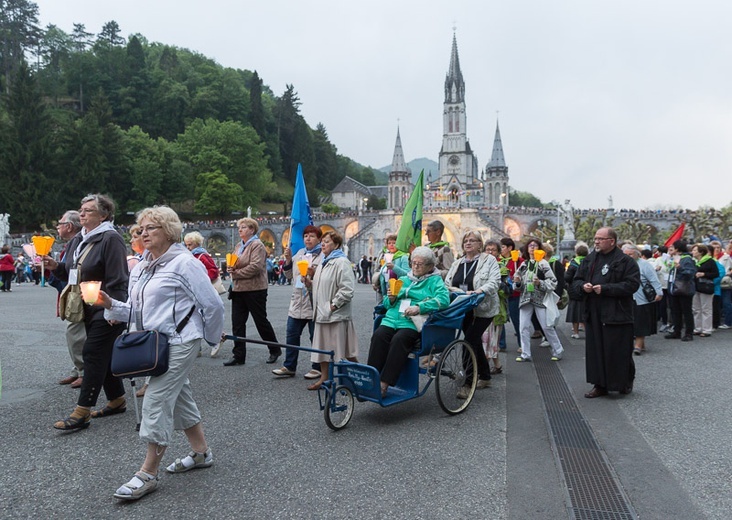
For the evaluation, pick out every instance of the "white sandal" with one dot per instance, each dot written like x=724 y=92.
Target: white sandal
x=138 y=486
x=191 y=461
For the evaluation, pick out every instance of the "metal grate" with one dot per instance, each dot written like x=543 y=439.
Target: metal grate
x=594 y=491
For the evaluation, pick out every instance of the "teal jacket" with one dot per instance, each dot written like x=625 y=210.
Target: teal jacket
x=430 y=293
x=401 y=268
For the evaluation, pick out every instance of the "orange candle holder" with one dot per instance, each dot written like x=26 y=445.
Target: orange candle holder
x=539 y=255
x=231 y=259
x=514 y=254
x=302 y=266
x=395 y=285
x=43 y=244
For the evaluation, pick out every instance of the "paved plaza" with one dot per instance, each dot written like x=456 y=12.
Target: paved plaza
x=667 y=447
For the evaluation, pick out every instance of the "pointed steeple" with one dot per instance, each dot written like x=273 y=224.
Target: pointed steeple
x=454 y=84
x=397 y=163
x=497 y=158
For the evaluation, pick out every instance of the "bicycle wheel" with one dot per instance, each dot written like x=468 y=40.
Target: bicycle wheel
x=457 y=377
x=339 y=408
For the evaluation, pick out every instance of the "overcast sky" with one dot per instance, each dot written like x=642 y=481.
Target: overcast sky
x=629 y=98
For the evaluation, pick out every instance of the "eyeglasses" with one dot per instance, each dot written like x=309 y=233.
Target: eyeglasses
x=148 y=229
x=470 y=240
x=602 y=238
x=418 y=264
x=62 y=223
x=83 y=211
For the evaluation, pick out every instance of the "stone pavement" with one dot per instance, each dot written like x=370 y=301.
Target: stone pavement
x=668 y=444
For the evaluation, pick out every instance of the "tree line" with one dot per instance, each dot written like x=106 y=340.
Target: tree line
x=147 y=123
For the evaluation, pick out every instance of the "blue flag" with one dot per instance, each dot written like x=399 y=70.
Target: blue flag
x=301 y=216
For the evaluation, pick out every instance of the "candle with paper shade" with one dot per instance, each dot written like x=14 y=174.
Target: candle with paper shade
x=302 y=266
x=388 y=257
x=90 y=291
x=514 y=254
x=539 y=255
x=231 y=259
x=395 y=285
x=43 y=245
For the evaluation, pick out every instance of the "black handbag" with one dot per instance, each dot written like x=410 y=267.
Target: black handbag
x=705 y=285
x=649 y=291
x=143 y=353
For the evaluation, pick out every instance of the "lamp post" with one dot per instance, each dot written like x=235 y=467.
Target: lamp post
x=502 y=211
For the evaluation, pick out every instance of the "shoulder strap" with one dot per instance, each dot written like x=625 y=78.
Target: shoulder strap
x=81 y=260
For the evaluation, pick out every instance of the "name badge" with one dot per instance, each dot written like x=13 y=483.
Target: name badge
x=73 y=277
x=404 y=304
x=464 y=287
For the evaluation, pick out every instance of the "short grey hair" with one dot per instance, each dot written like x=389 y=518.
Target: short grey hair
x=72 y=217
x=195 y=237
x=631 y=248
x=105 y=205
x=425 y=254
x=166 y=218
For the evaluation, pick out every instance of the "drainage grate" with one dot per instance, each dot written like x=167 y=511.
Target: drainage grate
x=594 y=490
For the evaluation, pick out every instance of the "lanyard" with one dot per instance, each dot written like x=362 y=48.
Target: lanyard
x=467 y=271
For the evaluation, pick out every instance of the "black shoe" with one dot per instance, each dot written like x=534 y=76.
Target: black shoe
x=672 y=336
x=233 y=362
x=272 y=358
x=688 y=337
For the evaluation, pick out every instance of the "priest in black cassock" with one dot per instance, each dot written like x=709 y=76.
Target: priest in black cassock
x=608 y=278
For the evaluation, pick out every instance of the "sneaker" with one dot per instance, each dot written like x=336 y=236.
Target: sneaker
x=574 y=336
x=313 y=374
x=216 y=348
x=139 y=486
x=284 y=371
x=463 y=392
x=544 y=343
x=663 y=328
x=556 y=358
x=483 y=383
x=191 y=461
x=521 y=359
x=723 y=326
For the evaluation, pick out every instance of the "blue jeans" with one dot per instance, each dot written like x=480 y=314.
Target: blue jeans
x=294 y=330
x=727 y=306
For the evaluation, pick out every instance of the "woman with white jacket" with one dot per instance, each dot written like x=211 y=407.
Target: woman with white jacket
x=476 y=272
x=170 y=292
x=535 y=279
x=333 y=285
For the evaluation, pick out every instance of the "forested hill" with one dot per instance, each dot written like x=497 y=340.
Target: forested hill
x=147 y=123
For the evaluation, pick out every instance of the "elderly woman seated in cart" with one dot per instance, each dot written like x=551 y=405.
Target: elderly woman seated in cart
x=422 y=292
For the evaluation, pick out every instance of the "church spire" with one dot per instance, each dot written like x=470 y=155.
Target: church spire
x=497 y=158
x=454 y=84
x=397 y=163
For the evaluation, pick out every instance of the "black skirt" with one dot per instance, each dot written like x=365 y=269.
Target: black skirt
x=644 y=322
x=575 y=311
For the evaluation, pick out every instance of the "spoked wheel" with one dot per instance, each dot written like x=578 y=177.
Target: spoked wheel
x=457 y=376
x=339 y=408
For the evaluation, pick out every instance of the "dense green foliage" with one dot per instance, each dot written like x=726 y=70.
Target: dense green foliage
x=146 y=123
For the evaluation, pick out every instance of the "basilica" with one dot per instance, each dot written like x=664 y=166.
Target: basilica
x=460 y=182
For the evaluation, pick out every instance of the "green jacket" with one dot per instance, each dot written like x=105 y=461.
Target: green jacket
x=430 y=293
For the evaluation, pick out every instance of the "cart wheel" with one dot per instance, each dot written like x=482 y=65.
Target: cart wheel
x=339 y=408
x=457 y=376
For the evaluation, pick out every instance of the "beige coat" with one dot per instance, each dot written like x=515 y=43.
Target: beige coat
x=487 y=279
x=333 y=284
x=301 y=307
x=250 y=270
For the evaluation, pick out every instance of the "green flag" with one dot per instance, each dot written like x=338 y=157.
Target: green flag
x=410 y=231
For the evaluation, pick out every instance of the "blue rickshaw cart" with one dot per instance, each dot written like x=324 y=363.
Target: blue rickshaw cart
x=448 y=360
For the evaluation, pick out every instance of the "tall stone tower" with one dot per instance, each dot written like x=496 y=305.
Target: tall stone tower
x=496 y=174
x=459 y=181
x=400 y=178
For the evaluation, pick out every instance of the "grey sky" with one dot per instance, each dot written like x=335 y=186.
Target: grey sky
x=627 y=98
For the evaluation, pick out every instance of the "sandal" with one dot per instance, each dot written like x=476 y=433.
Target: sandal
x=496 y=370
x=315 y=386
x=192 y=461
x=138 y=486
x=73 y=423
x=108 y=410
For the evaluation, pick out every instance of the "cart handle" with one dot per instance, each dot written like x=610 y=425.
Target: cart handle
x=330 y=353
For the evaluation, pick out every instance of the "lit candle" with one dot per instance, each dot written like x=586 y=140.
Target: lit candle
x=90 y=291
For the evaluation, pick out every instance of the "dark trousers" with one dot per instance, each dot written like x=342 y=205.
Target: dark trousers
x=716 y=311
x=663 y=307
x=97 y=356
x=681 y=313
x=7 y=277
x=473 y=328
x=244 y=303
x=295 y=327
x=389 y=351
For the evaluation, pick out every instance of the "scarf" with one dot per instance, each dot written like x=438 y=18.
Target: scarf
x=437 y=244
x=399 y=254
x=86 y=235
x=198 y=251
x=336 y=253
x=314 y=251
x=242 y=245
x=702 y=260
x=416 y=279
x=578 y=259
